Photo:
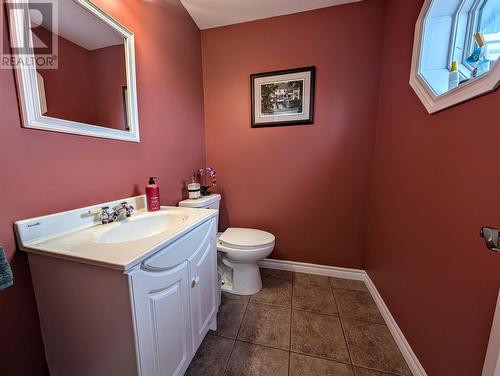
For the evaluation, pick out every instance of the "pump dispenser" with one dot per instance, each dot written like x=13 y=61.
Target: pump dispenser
x=153 y=194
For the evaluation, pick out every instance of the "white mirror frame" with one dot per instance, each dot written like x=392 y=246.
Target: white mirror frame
x=468 y=90
x=27 y=84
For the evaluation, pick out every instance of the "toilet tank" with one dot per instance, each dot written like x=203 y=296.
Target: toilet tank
x=204 y=202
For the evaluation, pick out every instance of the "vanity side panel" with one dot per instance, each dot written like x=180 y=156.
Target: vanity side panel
x=85 y=317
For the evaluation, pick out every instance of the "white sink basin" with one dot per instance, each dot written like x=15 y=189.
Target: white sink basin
x=143 y=227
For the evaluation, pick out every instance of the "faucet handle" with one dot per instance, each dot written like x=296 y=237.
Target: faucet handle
x=128 y=208
x=104 y=215
x=125 y=208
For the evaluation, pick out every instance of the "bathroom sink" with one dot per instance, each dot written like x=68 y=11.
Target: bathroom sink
x=142 y=227
x=78 y=235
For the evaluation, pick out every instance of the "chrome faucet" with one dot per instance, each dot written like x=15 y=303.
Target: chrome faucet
x=104 y=215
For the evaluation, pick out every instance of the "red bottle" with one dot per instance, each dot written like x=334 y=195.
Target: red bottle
x=153 y=195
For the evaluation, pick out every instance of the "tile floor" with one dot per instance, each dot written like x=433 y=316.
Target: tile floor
x=300 y=325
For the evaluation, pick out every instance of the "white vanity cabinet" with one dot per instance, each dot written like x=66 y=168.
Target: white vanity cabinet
x=162 y=308
x=204 y=299
x=145 y=316
x=175 y=305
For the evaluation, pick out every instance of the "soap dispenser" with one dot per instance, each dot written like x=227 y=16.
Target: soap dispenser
x=153 y=194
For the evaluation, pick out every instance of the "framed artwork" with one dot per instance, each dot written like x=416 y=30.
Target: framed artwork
x=283 y=97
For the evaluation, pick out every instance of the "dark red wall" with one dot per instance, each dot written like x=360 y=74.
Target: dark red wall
x=435 y=182
x=109 y=77
x=46 y=172
x=306 y=184
x=69 y=89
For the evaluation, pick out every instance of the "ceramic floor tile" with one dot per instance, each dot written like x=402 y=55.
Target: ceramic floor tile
x=313 y=298
x=311 y=279
x=357 y=305
x=370 y=372
x=229 y=317
x=348 y=284
x=266 y=325
x=274 y=273
x=254 y=360
x=311 y=325
x=302 y=365
x=372 y=346
x=211 y=358
x=318 y=334
x=274 y=291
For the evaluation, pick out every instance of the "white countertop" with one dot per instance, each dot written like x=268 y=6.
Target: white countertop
x=80 y=243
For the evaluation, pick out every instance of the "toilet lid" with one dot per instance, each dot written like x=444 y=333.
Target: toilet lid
x=246 y=237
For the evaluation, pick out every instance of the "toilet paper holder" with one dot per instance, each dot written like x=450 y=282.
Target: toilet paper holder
x=491 y=237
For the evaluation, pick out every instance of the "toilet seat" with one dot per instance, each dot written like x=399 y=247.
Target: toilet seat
x=246 y=239
x=242 y=251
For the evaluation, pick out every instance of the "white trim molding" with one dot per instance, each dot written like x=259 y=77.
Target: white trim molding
x=302 y=267
x=359 y=275
x=27 y=83
x=433 y=101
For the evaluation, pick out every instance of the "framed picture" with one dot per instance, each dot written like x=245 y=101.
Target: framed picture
x=283 y=97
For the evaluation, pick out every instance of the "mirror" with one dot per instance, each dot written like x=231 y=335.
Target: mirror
x=75 y=69
x=456 y=51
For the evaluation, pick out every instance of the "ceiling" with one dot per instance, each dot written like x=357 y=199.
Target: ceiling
x=214 y=13
x=79 y=26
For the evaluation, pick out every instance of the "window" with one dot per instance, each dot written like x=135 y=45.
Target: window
x=446 y=32
x=458 y=21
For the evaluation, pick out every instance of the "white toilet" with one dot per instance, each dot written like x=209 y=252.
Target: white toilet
x=239 y=251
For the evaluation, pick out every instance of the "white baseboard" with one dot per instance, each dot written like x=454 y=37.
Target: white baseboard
x=360 y=275
x=302 y=267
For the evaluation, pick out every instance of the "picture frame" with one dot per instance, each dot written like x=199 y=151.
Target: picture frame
x=284 y=97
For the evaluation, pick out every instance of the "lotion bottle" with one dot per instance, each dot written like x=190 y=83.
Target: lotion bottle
x=454 y=78
x=153 y=195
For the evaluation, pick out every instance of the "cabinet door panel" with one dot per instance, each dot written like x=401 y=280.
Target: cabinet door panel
x=161 y=301
x=203 y=275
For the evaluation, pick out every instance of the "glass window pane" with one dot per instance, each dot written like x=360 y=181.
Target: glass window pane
x=490 y=27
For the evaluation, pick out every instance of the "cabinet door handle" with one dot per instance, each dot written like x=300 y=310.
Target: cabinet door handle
x=194 y=282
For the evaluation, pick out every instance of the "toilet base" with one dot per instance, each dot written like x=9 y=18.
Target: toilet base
x=246 y=278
